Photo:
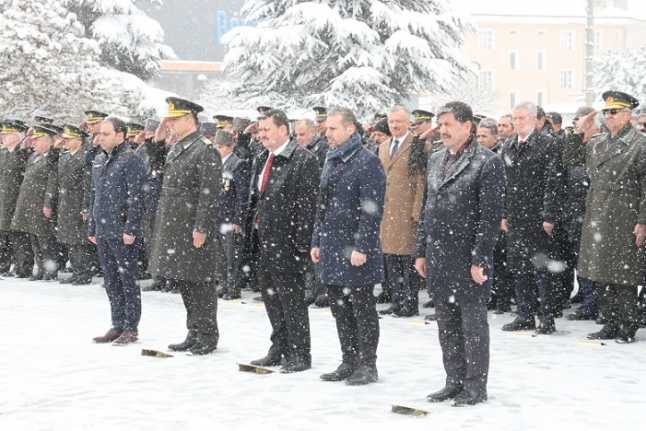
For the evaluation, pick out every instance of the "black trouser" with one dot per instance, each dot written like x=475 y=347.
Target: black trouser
x=119 y=263
x=45 y=250
x=502 y=289
x=82 y=260
x=15 y=247
x=464 y=338
x=401 y=278
x=63 y=254
x=565 y=253
x=619 y=306
x=201 y=304
x=357 y=323
x=232 y=282
x=312 y=280
x=534 y=295
x=284 y=296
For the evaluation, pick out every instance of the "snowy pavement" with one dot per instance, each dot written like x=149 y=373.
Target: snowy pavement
x=52 y=377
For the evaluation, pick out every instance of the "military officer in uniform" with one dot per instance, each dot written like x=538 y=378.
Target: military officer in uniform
x=15 y=246
x=614 y=227
x=30 y=215
x=186 y=237
x=65 y=194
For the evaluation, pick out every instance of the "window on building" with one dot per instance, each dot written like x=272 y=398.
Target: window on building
x=513 y=60
x=567 y=77
x=539 y=98
x=487 y=37
x=512 y=100
x=486 y=80
x=540 y=60
x=567 y=40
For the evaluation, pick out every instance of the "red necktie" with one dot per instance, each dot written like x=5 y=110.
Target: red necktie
x=265 y=174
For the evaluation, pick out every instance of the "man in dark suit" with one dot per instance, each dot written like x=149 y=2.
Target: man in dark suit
x=456 y=236
x=282 y=205
x=535 y=185
x=118 y=177
x=187 y=240
x=347 y=247
x=232 y=207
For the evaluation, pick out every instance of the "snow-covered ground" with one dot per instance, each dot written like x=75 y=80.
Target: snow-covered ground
x=52 y=377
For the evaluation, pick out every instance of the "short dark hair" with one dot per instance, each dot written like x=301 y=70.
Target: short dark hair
x=278 y=117
x=460 y=110
x=118 y=125
x=489 y=123
x=347 y=116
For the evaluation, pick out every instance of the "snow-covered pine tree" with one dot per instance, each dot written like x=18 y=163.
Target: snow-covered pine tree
x=47 y=63
x=621 y=70
x=129 y=39
x=44 y=58
x=363 y=54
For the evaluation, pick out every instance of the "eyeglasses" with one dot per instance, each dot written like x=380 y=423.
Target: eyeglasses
x=607 y=112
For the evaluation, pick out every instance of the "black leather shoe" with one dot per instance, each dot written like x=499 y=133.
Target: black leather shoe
x=519 y=324
x=547 y=327
x=606 y=333
x=362 y=376
x=579 y=314
x=82 y=281
x=626 y=336
x=404 y=313
x=185 y=345
x=446 y=393
x=389 y=310
x=203 y=347
x=50 y=276
x=271 y=360
x=428 y=304
x=322 y=301
x=69 y=280
x=464 y=398
x=383 y=298
x=342 y=372
x=295 y=366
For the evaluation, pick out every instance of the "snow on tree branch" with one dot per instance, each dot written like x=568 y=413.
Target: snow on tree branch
x=364 y=54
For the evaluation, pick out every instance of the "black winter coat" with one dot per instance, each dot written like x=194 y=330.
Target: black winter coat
x=284 y=212
x=460 y=222
x=535 y=186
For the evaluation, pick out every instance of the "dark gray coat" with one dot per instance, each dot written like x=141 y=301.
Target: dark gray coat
x=28 y=216
x=535 y=187
x=192 y=181
x=460 y=222
x=12 y=170
x=65 y=194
